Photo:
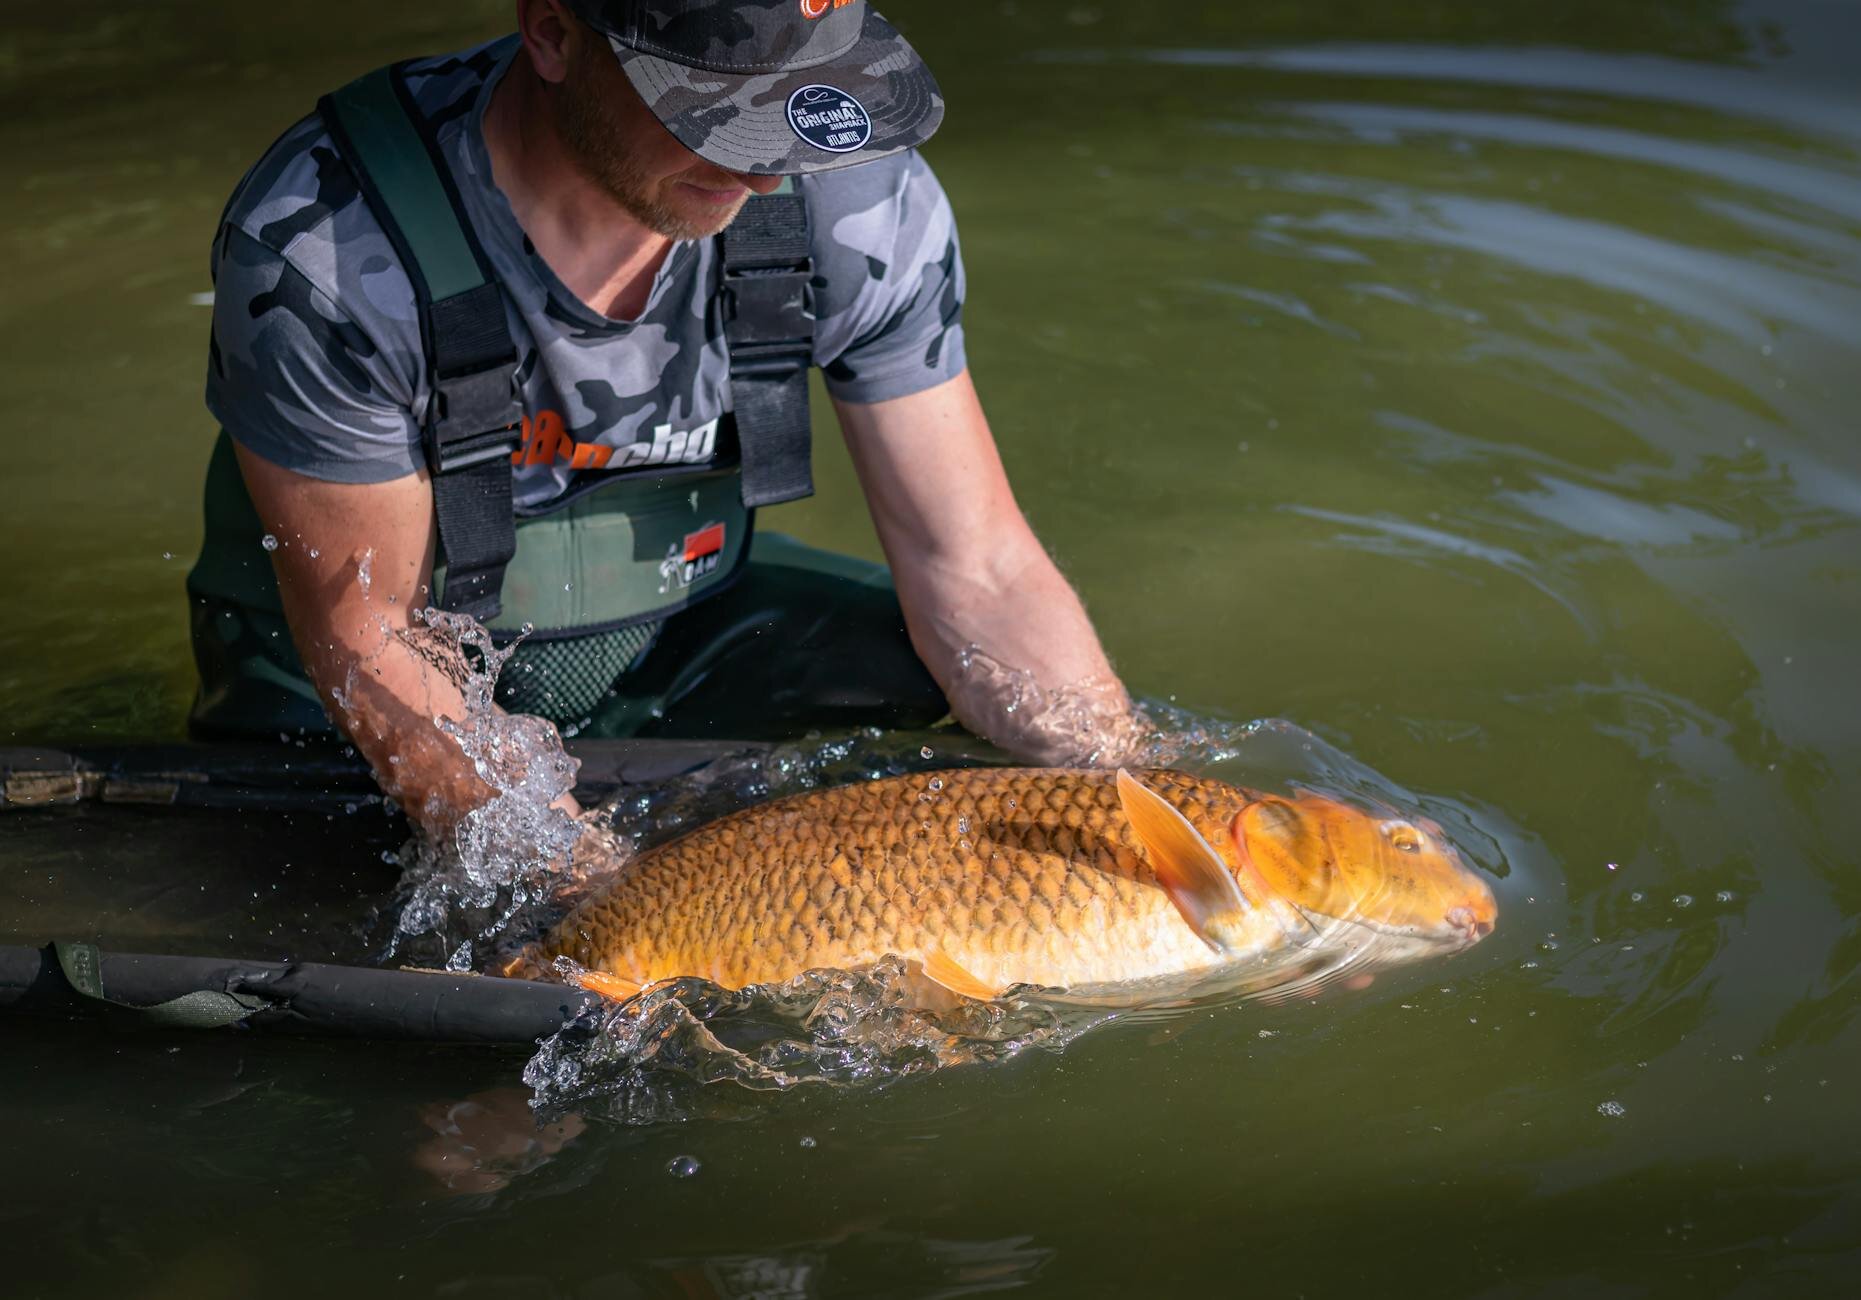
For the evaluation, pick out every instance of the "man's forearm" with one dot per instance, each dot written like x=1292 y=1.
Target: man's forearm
x=385 y=694
x=1017 y=657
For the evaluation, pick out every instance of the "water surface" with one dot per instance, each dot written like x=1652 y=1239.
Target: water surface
x=1473 y=387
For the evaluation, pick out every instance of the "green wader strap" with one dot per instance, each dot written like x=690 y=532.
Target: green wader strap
x=204 y=1009
x=473 y=425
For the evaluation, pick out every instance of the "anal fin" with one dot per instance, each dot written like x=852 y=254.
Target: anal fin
x=608 y=985
x=942 y=969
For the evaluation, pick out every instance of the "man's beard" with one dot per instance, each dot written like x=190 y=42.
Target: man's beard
x=594 y=130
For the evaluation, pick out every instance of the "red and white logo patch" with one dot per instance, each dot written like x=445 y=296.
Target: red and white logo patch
x=693 y=560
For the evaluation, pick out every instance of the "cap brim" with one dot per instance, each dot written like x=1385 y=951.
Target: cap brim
x=742 y=123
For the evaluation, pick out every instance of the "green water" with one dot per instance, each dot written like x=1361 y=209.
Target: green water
x=1474 y=387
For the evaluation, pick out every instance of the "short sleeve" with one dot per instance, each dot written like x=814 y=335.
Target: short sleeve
x=889 y=281
x=294 y=378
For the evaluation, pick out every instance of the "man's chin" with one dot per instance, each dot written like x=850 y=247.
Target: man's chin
x=679 y=216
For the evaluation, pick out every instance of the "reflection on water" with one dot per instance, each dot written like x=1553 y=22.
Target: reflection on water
x=1472 y=385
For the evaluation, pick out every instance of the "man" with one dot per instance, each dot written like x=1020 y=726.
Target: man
x=628 y=391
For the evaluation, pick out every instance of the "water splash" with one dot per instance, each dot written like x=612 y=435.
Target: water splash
x=462 y=890
x=1078 y=724
x=655 y=1057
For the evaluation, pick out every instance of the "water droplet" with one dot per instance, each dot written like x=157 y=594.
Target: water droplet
x=1612 y=866
x=962 y=828
x=807 y=1143
x=1683 y=900
x=568 y=586
x=1724 y=896
x=315 y=553
x=927 y=752
x=1636 y=897
x=936 y=783
x=1611 y=1108
x=1009 y=803
x=269 y=542
x=682 y=1166
x=168 y=555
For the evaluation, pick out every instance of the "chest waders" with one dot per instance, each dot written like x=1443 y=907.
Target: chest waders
x=593 y=573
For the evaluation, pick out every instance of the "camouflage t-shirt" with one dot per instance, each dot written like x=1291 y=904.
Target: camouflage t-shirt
x=316 y=362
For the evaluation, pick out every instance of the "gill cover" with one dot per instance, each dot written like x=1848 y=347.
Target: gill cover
x=1334 y=860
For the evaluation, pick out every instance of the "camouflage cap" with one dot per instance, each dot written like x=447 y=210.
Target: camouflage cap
x=773 y=87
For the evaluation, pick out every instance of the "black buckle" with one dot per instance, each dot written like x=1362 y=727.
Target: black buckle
x=476 y=418
x=768 y=308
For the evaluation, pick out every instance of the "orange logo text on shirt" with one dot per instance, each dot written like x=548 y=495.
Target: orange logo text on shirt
x=818 y=8
x=546 y=441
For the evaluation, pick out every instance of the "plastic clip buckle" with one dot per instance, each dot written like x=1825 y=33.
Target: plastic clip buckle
x=477 y=418
x=769 y=307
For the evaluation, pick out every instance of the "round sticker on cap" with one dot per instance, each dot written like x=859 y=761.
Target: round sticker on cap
x=829 y=119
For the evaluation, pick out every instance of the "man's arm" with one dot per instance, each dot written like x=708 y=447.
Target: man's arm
x=358 y=638
x=971 y=575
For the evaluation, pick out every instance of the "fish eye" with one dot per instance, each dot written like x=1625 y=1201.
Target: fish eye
x=1403 y=835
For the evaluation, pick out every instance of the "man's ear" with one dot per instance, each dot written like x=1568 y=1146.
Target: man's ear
x=549 y=30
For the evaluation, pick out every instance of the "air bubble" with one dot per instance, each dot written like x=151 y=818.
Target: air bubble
x=269 y=542
x=936 y=783
x=682 y=1166
x=1724 y=896
x=806 y=1143
x=1612 y=1109
x=1683 y=900
x=927 y=752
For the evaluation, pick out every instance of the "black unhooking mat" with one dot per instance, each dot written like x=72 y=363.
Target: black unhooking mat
x=74 y=980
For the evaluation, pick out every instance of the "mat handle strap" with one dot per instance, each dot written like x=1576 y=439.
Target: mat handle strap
x=82 y=965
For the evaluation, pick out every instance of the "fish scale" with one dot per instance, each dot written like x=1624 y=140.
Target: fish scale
x=1021 y=875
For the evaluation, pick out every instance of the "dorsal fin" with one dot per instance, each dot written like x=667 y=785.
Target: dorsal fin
x=1186 y=865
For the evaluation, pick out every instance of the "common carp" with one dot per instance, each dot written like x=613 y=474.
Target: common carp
x=994 y=877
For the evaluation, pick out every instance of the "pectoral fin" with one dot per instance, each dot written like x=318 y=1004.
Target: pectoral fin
x=608 y=985
x=942 y=969
x=1187 y=866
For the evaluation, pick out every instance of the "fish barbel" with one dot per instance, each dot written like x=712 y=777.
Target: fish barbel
x=992 y=877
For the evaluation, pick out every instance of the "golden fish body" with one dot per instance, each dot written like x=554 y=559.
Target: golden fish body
x=1006 y=876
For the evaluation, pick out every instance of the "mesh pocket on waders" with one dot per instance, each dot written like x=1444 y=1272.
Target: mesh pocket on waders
x=563 y=678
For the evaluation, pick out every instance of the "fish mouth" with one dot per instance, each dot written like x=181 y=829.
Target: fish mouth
x=1459 y=930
